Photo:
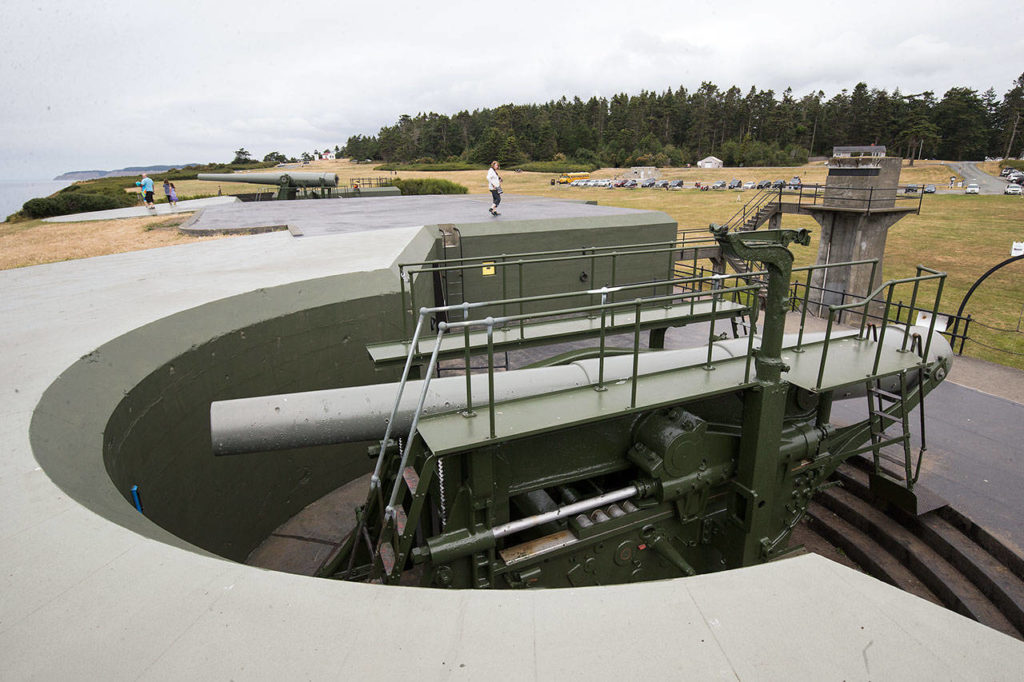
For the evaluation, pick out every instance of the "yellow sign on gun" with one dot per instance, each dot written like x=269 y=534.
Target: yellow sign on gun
x=488 y=269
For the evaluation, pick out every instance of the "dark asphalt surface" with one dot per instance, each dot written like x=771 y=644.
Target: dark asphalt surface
x=337 y=216
x=989 y=184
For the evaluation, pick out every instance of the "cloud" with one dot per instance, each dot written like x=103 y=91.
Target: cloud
x=107 y=85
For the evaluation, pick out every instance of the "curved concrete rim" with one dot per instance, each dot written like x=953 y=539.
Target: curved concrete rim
x=88 y=598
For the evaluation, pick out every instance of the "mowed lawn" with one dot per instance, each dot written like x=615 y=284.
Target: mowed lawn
x=961 y=235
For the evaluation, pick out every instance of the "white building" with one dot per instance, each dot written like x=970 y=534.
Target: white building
x=710 y=162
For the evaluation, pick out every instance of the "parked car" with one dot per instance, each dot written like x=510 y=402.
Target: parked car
x=675 y=184
x=972 y=188
x=621 y=182
x=705 y=188
x=764 y=184
x=1013 y=189
x=929 y=189
x=778 y=183
x=649 y=182
x=794 y=182
x=661 y=183
x=718 y=184
x=1006 y=171
x=630 y=184
x=735 y=184
x=910 y=189
x=749 y=184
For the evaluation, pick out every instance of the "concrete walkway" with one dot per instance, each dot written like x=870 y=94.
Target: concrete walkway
x=141 y=211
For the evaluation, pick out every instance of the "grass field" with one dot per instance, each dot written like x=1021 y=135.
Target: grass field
x=34 y=242
x=961 y=235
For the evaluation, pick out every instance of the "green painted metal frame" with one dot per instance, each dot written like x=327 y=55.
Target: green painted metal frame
x=760 y=451
x=408 y=272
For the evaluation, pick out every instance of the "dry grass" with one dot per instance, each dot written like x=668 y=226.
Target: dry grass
x=962 y=235
x=35 y=242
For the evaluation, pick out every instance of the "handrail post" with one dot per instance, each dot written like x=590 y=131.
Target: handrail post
x=504 y=286
x=442 y=327
x=490 y=369
x=885 y=324
x=803 y=313
x=468 y=412
x=711 y=332
x=910 y=313
x=412 y=292
x=401 y=286
x=935 y=314
x=824 y=347
x=636 y=350
x=600 y=357
x=750 y=339
x=522 y=329
x=413 y=347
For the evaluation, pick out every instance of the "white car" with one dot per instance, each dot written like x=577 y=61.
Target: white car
x=1013 y=189
x=748 y=185
x=972 y=188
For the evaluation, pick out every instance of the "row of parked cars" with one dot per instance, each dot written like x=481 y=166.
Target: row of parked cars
x=1015 y=178
x=1012 y=175
x=794 y=183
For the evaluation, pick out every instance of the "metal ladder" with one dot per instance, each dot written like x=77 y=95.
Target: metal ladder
x=398 y=533
x=888 y=410
x=452 y=281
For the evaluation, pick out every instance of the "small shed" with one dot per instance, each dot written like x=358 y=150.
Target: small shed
x=710 y=162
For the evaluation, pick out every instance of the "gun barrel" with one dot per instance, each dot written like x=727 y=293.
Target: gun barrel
x=360 y=413
x=341 y=415
x=275 y=178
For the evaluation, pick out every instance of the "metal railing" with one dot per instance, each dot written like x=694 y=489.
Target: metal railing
x=761 y=201
x=606 y=310
x=904 y=313
x=380 y=181
x=886 y=320
x=504 y=264
x=826 y=196
x=857 y=198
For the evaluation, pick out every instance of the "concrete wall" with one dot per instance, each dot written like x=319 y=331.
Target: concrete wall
x=136 y=410
x=858 y=210
x=862 y=182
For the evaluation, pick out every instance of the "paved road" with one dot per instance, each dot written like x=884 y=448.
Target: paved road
x=989 y=184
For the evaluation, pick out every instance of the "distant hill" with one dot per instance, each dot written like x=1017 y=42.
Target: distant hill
x=120 y=172
x=81 y=175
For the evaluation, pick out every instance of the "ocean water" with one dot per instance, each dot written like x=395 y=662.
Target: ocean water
x=14 y=193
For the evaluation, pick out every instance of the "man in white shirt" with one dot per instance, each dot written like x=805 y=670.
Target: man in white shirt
x=494 y=184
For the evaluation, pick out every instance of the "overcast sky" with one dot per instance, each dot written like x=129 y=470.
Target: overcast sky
x=93 y=84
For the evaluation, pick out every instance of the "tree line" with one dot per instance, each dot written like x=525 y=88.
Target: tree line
x=679 y=127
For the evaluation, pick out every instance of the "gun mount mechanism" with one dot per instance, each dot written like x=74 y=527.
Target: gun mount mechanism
x=606 y=469
x=288 y=184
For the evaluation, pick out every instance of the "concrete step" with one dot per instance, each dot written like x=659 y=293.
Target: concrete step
x=954 y=590
x=995 y=580
x=866 y=552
